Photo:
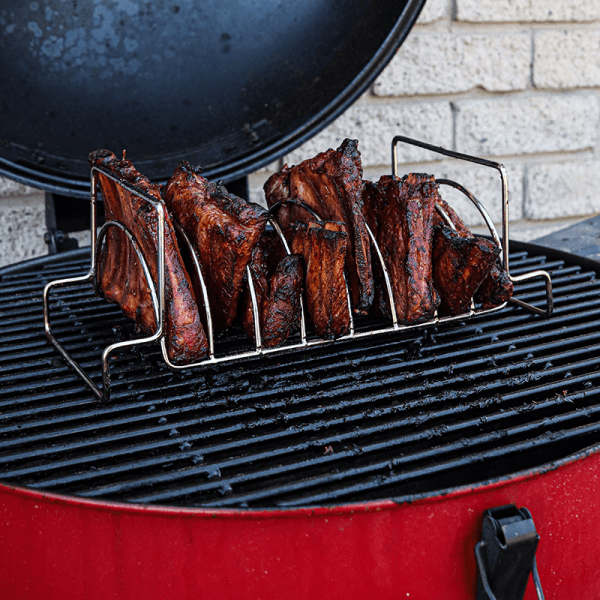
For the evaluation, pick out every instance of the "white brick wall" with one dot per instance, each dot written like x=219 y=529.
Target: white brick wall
x=457 y=63
x=557 y=190
x=541 y=11
x=517 y=81
x=434 y=10
x=22 y=226
x=372 y=124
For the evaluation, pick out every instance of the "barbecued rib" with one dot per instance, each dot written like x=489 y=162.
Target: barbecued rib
x=460 y=265
x=323 y=248
x=399 y=213
x=277 y=189
x=121 y=278
x=497 y=287
x=331 y=184
x=372 y=213
x=277 y=279
x=223 y=228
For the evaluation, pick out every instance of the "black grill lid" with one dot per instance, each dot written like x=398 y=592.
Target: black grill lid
x=230 y=86
x=391 y=417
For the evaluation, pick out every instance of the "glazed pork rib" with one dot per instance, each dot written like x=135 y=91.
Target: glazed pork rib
x=323 y=248
x=277 y=279
x=223 y=229
x=460 y=265
x=399 y=213
x=330 y=184
x=121 y=278
x=496 y=288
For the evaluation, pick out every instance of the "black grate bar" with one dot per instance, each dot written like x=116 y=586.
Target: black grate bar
x=511 y=355
x=462 y=462
x=473 y=341
x=551 y=267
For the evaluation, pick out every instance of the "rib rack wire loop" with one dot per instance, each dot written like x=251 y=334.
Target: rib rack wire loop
x=302 y=340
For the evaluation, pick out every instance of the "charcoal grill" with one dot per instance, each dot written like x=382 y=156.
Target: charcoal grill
x=459 y=414
x=488 y=401
x=347 y=471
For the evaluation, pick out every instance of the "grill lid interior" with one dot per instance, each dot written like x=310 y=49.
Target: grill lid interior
x=229 y=86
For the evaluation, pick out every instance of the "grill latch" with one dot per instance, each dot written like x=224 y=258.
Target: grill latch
x=506 y=554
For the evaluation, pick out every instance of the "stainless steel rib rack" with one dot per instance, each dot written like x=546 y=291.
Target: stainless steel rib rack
x=303 y=339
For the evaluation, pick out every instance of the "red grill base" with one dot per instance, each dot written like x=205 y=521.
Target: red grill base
x=57 y=547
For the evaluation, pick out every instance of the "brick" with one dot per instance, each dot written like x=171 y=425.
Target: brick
x=434 y=10
x=527 y=124
x=374 y=126
x=558 y=190
x=503 y=11
x=439 y=63
x=566 y=59
x=22 y=227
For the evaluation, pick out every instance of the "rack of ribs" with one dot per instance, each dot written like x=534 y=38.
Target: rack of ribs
x=223 y=229
x=277 y=279
x=120 y=276
x=431 y=259
x=331 y=185
x=323 y=248
x=399 y=213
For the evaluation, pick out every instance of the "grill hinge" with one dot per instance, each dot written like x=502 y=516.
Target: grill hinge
x=506 y=554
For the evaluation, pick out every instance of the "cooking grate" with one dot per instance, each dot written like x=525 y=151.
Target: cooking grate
x=392 y=416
